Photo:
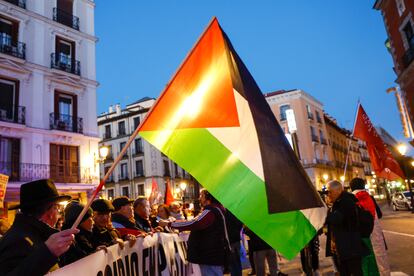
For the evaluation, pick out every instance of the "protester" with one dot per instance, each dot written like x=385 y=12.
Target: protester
x=142 y=213
x=344 y=241
x=103 y=232
x=32 y=246
x=164 y=214
x=263 y=252
x=59 y=223
x=206 y=243
x=175 y=211
x=379 y=264
x=234 y=227
x=83 y=245
x=123 y=217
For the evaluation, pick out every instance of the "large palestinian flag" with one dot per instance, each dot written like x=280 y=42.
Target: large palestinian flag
x=213 y=121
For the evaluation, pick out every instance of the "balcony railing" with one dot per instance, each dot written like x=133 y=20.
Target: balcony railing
x=122 y=132
x=310 y=116
x=24 y=172
x=12 y=48
x=318 y=119
x=16 y=115
x=139 y=174
x=65 y=63
x=138 y=151
x=123 y=177
x=107 y=135
x=65 y=123
x=408 y=56
x=20 y=3
x=66 y=18
x=323 y=141
x=314 y=138
x=125 y=156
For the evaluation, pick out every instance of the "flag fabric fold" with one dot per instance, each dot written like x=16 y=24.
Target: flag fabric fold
x=169 y=198
x=155 y=195
x=213 y=121
x=382 y=161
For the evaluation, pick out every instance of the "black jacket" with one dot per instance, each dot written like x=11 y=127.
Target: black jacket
x=23 y=250
x=206 y=246
x=123 y=220
x=256 y=243
x=234 y=226
x=143 y=224
x=82 y=247
x=104 y=236
x=343 y=230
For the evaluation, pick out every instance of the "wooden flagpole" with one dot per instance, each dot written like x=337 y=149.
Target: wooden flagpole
x=350 y=140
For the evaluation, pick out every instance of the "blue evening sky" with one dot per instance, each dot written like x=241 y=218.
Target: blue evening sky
x=334 y=50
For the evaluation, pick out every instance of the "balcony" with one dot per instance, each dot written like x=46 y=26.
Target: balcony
x=323 y=141
x=109 y=158
x=12 y=48
x=65 y=123
x=65 y=63
x=122 y=132
x=138 y=151
x=65 y=18
x=110 y=179
x=408 y=56
x=65 y=173
x=314 y=138
x=318 y=119
x=310 y=116
x=19 y=3
x=139 y=174
x=123 y=177
x=125 y=156
x=283 y=117
x=17 y=116
x=107 y=135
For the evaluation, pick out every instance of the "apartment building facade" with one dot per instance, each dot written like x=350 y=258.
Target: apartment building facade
x=142 y=162
x=48 y=95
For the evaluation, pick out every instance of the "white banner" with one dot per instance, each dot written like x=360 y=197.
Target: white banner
x=160 y=254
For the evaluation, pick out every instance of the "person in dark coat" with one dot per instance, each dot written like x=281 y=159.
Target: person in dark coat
x=103 y=232
x=206 y=243
x=32 y=246
x=234 y=227
x=123 y=217
x=344 y=240
x=142 y=212
x=83 y=245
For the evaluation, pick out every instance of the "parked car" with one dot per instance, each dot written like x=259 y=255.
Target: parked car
x=401 y=200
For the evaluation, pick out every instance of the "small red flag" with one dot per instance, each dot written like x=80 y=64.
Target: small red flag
x=383 y=163
x=169 y=198
x=155 y=193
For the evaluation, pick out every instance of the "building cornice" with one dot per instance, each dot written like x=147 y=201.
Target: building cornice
x=102 y=121
x=295 y=94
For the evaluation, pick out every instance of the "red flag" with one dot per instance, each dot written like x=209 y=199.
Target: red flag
x=383 y=163
x=155 y=193
x=169 y=198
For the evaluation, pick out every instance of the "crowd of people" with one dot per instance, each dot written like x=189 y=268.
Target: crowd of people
x=41 y=238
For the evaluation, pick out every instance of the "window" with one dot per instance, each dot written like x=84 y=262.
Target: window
x=309 y=112
x=176 y=169
x=137 y=121
x=124 y=171
x=8 y=33
x=125 y=191
x=282 y=110
x=139 y=168
x=409 y=34
x=65 y=117
x=9 y=100
x=110 y=194
x=107 y=133
x=166 y=168
x=10 y=157
x=318 y=117
x=64 y=162
x=121 y=146
x=141 y=190
x=121 y=128
x=400 y=6
x=313 y=134
x=138 y=146
x=110 y=179
x=65 y=53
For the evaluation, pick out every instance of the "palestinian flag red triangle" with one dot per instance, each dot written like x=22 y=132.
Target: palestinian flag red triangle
x=213 y=121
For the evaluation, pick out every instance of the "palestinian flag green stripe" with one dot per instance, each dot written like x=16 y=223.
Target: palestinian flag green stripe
x=238 y=188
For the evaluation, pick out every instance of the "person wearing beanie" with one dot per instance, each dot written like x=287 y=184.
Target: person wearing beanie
x=83 y=245
x=377 y=262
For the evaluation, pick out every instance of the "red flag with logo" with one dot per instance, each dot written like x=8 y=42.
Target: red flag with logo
x=169 y=198
x=155 y=193
x=383 y=163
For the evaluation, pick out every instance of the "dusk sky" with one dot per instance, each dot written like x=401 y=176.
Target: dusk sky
x=333 y=50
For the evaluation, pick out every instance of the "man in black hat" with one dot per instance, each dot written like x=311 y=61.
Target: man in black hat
x=32 y=246
x=103 y=231
x=123 y=217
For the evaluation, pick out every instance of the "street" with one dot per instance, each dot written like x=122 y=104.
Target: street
x=399 y=234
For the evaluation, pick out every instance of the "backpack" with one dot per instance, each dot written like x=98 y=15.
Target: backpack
x=365 y=222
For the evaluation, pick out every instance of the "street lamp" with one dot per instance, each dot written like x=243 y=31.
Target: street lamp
x=342 y=178
x=325 y=177
x=103 y=153
x=402 y=149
